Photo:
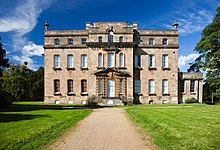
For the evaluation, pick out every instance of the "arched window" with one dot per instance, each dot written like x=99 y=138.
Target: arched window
x=151 y=41
x=165 y=41
x=121 y=60
x=100 y=60
x=69 y=61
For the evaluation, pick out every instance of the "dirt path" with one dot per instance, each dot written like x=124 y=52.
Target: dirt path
x=104 y=129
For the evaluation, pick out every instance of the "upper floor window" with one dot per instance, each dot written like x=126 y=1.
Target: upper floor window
x=151 y=61
x=165 y=61
x=151 y=86
x=192 y=86
x=70 y=85
x=70 y=41
x=182 y=86
x=121 y=60
x=121 y=39
x=83 y=61
x=100 y=60
x=137 y=61
x=83 y=86
x=69 y=61
x=100 y=39
x=111 y=37
x=83 y=40
x=151 y=41
x=111 y=60
x=56 y=61
x=56 y=86
x=137 y=86
x=165 y=86
x=56 y=42
x=164 y=41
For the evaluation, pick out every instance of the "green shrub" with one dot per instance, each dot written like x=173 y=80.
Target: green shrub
x=5 y=99
x=191 y=100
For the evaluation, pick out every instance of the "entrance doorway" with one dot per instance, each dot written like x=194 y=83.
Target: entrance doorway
x=111 y=88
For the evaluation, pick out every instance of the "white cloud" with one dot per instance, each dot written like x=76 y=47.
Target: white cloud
x=33 y=50
x=31 y=63
x=183 y=61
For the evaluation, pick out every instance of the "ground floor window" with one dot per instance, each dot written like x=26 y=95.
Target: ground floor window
x=83 y=86
x=56 y=86
x=70 y=86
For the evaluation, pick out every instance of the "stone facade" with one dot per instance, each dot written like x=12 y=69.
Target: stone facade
x=111 y=60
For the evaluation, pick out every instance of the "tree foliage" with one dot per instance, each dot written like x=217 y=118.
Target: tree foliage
x=3 y=61
x=209 y=49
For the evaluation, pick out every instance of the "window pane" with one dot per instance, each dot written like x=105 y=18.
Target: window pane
x=121 y=39
x=121 y=60
x=110 y=38
x=121 y=86
x=56 y=86
x=70 y=41
x=137 y=86
x=151 y=87
x=151 y=41
x=100 y=39
x=165 y=86
x=83 y=86
x=83 y=40
x=165 y=61
x=164 y=41
x=137 y=61
x=70 y=85
x=192 y=86
x=84 y=61
x=151 y=61
x=69 y=61
x=56 y=61
x=100 y=85
x=56 y=42
x=110 y=59
x=100 y=60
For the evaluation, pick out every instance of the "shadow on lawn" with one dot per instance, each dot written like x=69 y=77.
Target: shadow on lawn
x=23 y=107
x=17 y=117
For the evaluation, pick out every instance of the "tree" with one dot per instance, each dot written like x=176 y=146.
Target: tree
x=3 y=61
x=209 y=49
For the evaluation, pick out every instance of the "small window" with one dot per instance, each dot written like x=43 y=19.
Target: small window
x=137 y=86
x=70 y=61
x=100 y=60
x=164 y=41
x=83 y=86
x=192 y=86
x=70 y=86
x=165 y=86
x=56 y=42
x=100 y=85
x=165 y=61
x=182 y=86
x=151 y=61
x=137 y=61
x=70 y=41
x=56 y=61
x=83 y=40
x=100 y=39
x=111 y=37
x=151 y=41
x=121 y=39
x=111 y=62
x=83 y=61
x=121 y=60
x=151 y=86
x=56 y=86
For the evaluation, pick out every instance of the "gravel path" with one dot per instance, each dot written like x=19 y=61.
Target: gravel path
x=104 y=129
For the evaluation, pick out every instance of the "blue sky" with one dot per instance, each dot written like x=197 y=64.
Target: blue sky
x=21 y=22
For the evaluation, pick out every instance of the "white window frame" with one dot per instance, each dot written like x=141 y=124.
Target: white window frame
x=121 y=60
x=151 y=84
x=70 y=61
x=83 y=61
x=111 y=60
x=56 y=61
x=151 y=60
x=165 y=86
x=137 y=86
x=137 y=61
x=165 y=61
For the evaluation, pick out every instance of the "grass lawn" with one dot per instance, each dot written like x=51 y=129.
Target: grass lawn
x=179 y=127
x=33 y=125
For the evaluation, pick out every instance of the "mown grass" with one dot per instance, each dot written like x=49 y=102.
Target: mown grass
x=33 y=125
x=182 y=127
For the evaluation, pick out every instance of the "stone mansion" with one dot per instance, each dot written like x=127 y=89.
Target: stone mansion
x=115 y=61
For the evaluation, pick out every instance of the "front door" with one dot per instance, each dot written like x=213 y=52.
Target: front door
x=111 y=88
